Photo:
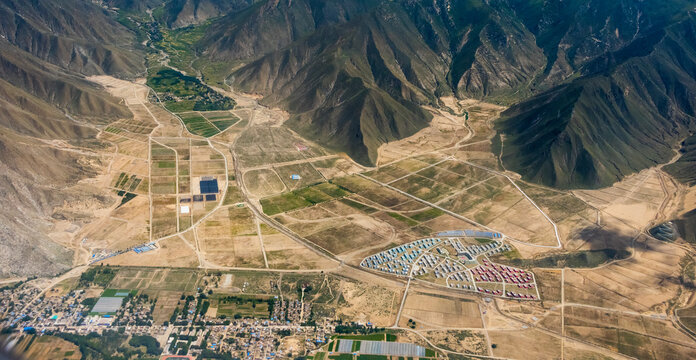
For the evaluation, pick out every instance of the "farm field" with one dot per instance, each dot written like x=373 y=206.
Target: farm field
x=532 y=343
x=486 y=197
x=284 y=253
x=155 y=279
x=229 y=238
x=243 y=306
x=637 y=336
x=49 y=347
x=430 y=312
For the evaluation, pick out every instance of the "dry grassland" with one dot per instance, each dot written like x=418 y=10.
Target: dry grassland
x=369 y=303
x=263 y=182
x=642 y=283
x=49 y=347
x=268 y=145
x=228 y=238
x=171 y=252
x=360 y=233
x=634 y=200
x=533 y=344
x=285 y=253
x=637 y=336
x=158 y=279
x=434 y=312
x=445 y=130
x=308 y=175
x=464 y=341
x=336 y=167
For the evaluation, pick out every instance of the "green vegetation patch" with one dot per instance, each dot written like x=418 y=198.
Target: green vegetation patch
x=356 y=205
x=373 y=337
x=372 y=357
x=341 y=357
x=332 y=190
x=179 y=43
x=282 y=203
x=426 y=215
x=402 y=218
x=244 y=306
x=224 y=124
x=166 y=164
x=152 y=347
x=100 y=346
x=575 y=259
x=187 y=92
x=113 y=292
x=355 y=346
x=198 y=125
x=98 y=275
x=301 y=198
x=126 y=198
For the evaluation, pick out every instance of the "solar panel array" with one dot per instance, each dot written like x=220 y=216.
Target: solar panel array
x=209 y=186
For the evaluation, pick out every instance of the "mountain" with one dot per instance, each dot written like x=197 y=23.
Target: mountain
x=355 y=74
x=683 y=168
x=181 y=13
x=75 y=35
x=628 y=111
x=48 y=114
x=598 y=89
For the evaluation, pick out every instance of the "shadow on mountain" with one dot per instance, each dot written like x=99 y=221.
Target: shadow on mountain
x=605 y=246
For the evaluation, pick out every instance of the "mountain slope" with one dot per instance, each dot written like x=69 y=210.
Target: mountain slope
x=181 y=13
x=341 y=85
x=625 y=115
x=73 y=34
x=362 y=70
x=567 y=64
x=48 y=119
x=683 y=168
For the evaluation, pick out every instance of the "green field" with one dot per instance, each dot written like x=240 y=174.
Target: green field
x=198 y=125
x=221 y=119
x=402 y=218
x=113 y=292
x=427 y=214
x=155 y=279
x=243 y=306
x=301 y=198
x=575 y=259
x=356 y=205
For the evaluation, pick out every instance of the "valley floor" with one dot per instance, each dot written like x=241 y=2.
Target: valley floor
x=286 y=207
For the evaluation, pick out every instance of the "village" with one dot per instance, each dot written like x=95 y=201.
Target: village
x=190 y=331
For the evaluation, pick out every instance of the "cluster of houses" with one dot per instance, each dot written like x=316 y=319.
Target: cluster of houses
x=398 y=260
x=453 y=262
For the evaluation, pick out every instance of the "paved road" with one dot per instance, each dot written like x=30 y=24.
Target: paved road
x=403 y=301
